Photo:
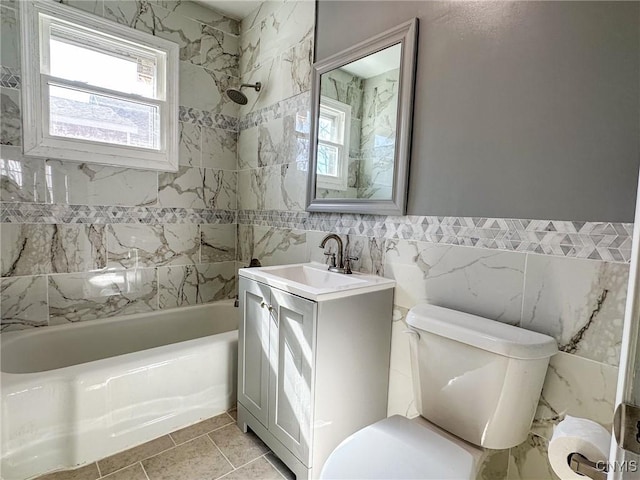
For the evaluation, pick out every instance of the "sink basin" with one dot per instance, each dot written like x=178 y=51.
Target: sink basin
x=314 y=281
x=314 y=277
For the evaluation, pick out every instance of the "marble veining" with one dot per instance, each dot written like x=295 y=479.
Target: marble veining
x=23 y=303
x=478 y=281
x=293 y=186
x=189 y=147
x=276 y=141
x=184 y=188
x=217 y=243
x=88 y=296
x=219 y=148
x=273 y=246
x=154 y=19
x=194 y=80
x=201 y=14
x=575 y=386
x=196 y=284
x=92 y=184
x=220 y=51
x=530 y=460
x=579 y=302
x=22 y=179
x=31 y=249
x=131 y=246
x=220 y=187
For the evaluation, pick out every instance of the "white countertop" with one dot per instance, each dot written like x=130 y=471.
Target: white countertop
x=314 y=282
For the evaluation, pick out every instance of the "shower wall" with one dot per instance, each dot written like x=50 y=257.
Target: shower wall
x=81 y=241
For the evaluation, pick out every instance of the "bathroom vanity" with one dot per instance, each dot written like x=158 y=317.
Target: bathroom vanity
x=313 y=354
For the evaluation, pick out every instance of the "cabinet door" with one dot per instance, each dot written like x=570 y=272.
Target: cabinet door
x=253 y=348
x=290 y=384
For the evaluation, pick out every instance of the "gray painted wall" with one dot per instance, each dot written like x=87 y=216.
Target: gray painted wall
x=522 y=109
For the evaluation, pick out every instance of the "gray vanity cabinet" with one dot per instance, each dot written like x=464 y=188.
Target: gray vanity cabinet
x=310 y=373
x=275 y=357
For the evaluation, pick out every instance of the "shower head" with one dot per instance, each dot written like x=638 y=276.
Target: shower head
x=235 y=94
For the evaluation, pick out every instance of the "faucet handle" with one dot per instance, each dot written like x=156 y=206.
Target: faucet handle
x=347 y=264
x=333 y=259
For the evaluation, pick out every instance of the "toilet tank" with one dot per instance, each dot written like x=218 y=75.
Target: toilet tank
x=477 y=378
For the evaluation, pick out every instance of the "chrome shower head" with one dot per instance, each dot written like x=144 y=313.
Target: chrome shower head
x=235 y=94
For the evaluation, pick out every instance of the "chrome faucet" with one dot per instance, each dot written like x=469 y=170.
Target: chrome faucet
x=334 y=267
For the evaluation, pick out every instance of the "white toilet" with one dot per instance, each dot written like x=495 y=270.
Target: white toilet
x=476 y=385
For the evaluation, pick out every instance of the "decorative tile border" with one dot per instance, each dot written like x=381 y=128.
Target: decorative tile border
x=55 y=214
x=277 y=110
x=10 y=77
x=207 y=119
x=591 y=240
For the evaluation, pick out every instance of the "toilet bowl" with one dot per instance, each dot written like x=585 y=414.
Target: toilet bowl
x=398 y=447
x=476 y=384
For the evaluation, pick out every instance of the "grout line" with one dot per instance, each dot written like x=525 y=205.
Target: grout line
x=145 y=472
x=221 y=453
x=155 y=454
x=99 y=472
x=119 y=470
x=175 y=444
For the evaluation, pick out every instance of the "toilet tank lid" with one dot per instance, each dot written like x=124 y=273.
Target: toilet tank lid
x=480 y=332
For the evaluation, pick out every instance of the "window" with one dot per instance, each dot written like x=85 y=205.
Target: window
x=96 y=91
x=334 y=124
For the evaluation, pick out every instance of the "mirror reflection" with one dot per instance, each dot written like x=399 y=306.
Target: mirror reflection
x=357 y=128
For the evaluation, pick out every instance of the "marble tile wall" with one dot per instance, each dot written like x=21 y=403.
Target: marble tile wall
x=82 y=241
x=276 y=46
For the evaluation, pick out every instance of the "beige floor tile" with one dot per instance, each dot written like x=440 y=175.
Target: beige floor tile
x=258 y=469
x=280 y=466
x=238 y=447
x=197 y=459
x=200 y=428
x=134 y=472
x=88 y=472
x=134 y=455
x=234 y=413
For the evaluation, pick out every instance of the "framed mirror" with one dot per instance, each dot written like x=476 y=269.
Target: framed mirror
x=361 y=114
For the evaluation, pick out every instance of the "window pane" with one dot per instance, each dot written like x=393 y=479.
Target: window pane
x=327 y=160
x=100 y=118
x=125 y=72
x=327 y=128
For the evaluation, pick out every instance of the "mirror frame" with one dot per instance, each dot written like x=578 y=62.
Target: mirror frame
x=406 y=34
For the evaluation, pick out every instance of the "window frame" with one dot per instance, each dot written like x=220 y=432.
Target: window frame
x=37 y=141
x=339 y=182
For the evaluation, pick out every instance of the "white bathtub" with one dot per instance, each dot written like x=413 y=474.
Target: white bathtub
x=77 y=393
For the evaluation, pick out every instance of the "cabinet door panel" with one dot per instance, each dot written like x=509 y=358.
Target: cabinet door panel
x=253 y=349
x=291 y=353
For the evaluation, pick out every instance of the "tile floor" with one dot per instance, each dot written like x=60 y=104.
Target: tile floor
x=212 y=449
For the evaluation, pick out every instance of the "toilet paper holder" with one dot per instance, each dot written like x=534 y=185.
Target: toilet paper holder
x=582 y=465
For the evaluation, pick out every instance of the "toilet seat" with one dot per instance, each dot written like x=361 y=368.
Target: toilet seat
x=400 y=448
